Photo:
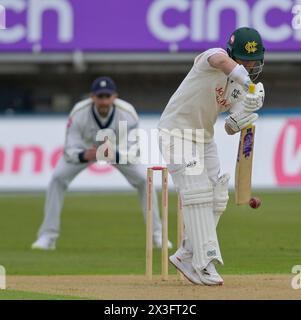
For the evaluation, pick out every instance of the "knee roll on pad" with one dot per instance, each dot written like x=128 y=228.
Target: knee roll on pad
x=201 y=196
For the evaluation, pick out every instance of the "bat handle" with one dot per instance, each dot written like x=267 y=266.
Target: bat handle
x=252 y=88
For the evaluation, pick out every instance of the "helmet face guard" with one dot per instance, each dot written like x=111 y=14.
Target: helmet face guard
x=256 y=70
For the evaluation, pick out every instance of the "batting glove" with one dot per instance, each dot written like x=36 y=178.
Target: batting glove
x=254 y=101
x=239 y=120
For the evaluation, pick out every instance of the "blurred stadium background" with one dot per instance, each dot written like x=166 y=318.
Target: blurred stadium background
x=52 y=50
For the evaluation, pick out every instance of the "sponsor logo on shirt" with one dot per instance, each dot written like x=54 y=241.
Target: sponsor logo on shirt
x=222 y=102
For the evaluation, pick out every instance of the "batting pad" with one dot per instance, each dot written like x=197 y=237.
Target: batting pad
x=221 y=196
x=200 y=223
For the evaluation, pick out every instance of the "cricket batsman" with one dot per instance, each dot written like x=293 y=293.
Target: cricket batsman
x=218 y=82
x=103 y=111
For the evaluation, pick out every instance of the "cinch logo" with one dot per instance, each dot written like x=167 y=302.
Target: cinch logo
x=296 y=22
x=32 y=28
x=2 y=18
x=287 y=158
x=33 y=159
x=201 y=20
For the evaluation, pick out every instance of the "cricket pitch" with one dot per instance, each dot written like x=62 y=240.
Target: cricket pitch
x=268 y=286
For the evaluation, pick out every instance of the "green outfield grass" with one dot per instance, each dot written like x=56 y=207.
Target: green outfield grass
x=22 y=295
x=105 y=234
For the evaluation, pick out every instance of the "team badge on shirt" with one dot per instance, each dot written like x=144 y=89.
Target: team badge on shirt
x=235 y=93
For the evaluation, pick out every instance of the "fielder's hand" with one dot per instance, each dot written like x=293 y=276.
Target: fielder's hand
x=90 y=154
x=239 y=120
x=254 y=101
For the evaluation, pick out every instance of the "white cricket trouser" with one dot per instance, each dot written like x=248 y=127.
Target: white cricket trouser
x=196 y=191
x=65 y=172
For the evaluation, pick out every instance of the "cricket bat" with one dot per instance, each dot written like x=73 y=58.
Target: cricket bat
x=244 y=162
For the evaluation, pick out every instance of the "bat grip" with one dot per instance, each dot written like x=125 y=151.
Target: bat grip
x=252 y=88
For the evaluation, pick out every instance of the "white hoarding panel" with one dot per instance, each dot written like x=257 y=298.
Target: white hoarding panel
x=30 y=148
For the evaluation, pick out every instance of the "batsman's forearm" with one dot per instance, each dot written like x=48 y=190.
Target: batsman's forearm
x=240 y=75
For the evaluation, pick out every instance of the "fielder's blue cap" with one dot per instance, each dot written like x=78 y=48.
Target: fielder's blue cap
x=103 y=85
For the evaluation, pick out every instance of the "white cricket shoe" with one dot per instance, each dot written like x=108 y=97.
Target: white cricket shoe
x=209 y=276
x=186 y=268
x=182 y=260
x=157 y=241
x=44 y=242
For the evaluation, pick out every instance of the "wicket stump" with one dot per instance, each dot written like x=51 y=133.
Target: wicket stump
x=164 y=217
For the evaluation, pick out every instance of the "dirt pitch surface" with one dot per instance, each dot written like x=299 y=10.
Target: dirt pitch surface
x=137 y=287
